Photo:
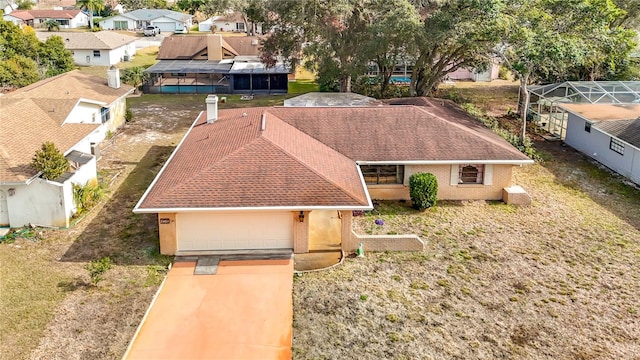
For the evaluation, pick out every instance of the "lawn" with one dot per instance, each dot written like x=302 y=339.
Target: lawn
x=558 y=279
x=555 y=280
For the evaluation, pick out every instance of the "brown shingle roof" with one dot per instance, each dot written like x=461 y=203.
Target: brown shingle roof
x=35 y=114
x=232 y=163
x=401 y=133
x=102 y=40
x=187 y=47
x=307 y=156
x=24 y=126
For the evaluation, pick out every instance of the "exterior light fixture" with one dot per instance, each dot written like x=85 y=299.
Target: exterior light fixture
x=301 y=216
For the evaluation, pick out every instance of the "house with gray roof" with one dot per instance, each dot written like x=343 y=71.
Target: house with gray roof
x=103 y=48
x=608 y=133
x=166 y=20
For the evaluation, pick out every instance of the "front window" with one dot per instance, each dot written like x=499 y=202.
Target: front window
x=96 y=53
x=240 y=26
x=383 y=174
x=105 y=114
x=587 y=127
x=471 y=174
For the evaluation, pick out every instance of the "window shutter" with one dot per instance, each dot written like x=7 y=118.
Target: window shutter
x=454 y=175
x=488 y=174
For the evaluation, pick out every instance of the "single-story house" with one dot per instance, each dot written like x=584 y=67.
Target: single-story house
x=214 y=64
x=608 y=133
x=232 y=22
x=68 y=19
x=252 y=178
x=73 y=110
x=95 y=48
x=167 y=20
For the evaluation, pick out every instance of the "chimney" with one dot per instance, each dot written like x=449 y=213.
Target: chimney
x=214 y=47
x=263 y=122
x=113 y=77
x=212 y=108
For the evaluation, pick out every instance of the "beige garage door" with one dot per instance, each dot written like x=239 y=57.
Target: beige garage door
x=234 y=231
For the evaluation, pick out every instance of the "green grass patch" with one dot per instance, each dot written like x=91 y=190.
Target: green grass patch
x=30 y=291
x=303 y=87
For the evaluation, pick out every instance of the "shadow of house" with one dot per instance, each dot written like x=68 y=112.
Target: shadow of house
x=116 y=232
x=575 y=170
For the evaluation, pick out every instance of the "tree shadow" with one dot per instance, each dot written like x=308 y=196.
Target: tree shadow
x=575 y=170
x=115 y=231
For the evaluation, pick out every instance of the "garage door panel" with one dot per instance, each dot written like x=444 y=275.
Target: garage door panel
x=166 y=26
x=215 y=231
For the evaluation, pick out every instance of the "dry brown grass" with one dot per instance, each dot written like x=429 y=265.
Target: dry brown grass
x=555 y=280
x=48 y=309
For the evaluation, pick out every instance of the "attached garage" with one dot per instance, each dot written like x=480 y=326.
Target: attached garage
x=234 y=231
x=166 y=26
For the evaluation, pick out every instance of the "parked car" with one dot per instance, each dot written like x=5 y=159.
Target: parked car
x=151 y=31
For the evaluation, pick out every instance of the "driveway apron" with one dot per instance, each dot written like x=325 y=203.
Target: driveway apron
x=244 y=311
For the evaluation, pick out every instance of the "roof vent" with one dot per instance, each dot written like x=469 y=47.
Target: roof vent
x=263 y=122
x=254 y=42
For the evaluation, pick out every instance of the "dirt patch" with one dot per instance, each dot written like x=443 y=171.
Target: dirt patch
x=555 y=280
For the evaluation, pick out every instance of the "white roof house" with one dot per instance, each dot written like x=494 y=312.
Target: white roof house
x=95 y=48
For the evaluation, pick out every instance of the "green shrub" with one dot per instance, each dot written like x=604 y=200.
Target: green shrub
x=50 y=161
x=503 y=73
x=128 y=115
x=97 y=268
x=423 y=189
x=88 y=195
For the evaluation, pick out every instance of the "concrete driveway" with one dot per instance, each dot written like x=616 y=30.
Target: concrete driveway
x=244 y=311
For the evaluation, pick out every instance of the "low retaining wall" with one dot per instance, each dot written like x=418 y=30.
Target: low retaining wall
x=387 y=242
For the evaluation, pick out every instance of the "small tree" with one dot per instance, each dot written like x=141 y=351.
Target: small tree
x=423 y=189
x=51 y=25
x=50 y=161
x=135 y=76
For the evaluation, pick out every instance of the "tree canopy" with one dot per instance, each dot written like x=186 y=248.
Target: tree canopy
x=24 y=59
x=538 y=39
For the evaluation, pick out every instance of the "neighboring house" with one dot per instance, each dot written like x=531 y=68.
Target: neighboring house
x=233 y=22
x=74 y=111
x=608 y=133
x=402 y=73
x=95 y=48
x=68 y=19
x=167 y=20
x=252 y=178
x=214 y=64
x=546 y=101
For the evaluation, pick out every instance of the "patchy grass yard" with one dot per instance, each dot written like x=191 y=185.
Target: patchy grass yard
x=556 y=280
x=48 y=309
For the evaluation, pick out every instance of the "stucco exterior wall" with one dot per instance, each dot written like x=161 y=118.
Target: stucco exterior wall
x=85 y=113
x=300 y=233
x=595 y=144
x=41 y=202
x=108 y=23
x=448 y=189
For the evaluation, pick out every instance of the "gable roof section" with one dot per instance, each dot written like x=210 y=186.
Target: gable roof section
x=187 y=47
x=36 y=113
x=232 y=163
x=24 y=126
x=102 y=40
x=45 y=14
x=244 y=45
x=72 y=85
x=402 y=134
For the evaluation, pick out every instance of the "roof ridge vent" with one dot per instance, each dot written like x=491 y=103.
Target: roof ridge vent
x=263 y=122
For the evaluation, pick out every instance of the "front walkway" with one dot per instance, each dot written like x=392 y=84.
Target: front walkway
x=244 y=311
x=325 y=242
